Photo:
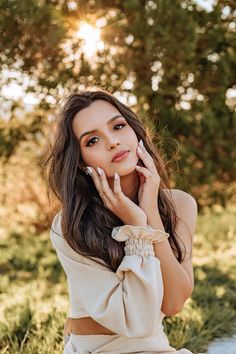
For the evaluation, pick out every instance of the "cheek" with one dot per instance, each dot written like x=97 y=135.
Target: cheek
x=91 y=157
x=133 y=138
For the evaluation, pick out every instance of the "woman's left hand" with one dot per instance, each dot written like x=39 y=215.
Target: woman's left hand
x=149 y=181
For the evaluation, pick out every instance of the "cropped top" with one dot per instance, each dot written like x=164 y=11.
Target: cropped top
x=128 y=301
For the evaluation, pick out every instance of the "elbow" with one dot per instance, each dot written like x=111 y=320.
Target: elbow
x=173 y=307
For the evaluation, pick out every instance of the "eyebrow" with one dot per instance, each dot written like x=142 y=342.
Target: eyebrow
x=95 y=130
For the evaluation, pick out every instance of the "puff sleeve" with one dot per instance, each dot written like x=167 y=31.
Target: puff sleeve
x=128 y=301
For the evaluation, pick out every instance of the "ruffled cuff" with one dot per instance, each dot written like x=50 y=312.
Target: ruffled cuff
x=138 y=239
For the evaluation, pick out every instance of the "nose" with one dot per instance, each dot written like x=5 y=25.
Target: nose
x=112 y=144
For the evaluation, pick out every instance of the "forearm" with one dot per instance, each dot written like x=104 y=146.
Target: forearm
x=177 y=284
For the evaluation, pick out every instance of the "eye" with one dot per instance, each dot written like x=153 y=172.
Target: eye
x=91 y=142
x=88 y=143
x=121 y=124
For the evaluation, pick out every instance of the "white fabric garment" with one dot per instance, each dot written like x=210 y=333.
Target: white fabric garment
x=128 y=301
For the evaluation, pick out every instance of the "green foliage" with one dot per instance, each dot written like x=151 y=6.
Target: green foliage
x=30 y=33
x=192 y=51
x=33 y=288
x=180 y=58
x=15 y=131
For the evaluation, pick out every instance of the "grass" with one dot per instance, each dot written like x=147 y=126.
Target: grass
x=33 y=292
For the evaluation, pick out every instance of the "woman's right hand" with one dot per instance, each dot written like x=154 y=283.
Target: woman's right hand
x=115 y=200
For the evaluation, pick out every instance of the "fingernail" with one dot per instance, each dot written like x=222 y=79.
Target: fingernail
x=139 y=150
x=90 y=170
x=99 y=171
x=116 y=176
x=141 y=142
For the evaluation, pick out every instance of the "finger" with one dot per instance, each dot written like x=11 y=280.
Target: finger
x=146 y=158
x=142 y=178
x=95 y=176
x=144 y=171
x=104 y=186
x=117 y=186
x=143 y=150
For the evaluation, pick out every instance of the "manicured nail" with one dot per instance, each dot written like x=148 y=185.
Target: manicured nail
x=116 y=176
x=139 y=150
x=90 y=170
x=141 y=142
x=100 y=172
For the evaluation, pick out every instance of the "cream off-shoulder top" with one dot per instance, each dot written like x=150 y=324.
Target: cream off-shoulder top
x=128 y=301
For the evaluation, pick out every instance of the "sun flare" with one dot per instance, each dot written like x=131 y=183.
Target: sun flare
x=91 y=37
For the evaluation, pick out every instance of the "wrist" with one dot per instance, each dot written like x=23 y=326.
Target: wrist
x=143 y=221
x=139 y=223
x=154 y=220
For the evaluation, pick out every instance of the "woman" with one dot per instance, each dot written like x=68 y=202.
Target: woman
x=123 y=238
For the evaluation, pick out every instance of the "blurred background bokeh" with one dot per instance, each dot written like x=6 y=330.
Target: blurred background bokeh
x=174 y=64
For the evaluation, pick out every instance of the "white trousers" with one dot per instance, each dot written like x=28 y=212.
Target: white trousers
x=116 y=344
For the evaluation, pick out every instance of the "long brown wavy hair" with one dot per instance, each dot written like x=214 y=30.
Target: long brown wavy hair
x=86 y=223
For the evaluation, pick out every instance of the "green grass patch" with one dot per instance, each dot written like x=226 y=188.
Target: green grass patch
x=33 y=290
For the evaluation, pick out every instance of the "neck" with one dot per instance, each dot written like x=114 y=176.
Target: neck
x=130 y=186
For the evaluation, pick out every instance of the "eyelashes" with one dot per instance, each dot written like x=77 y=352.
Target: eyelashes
x=88 y=143
x=90 y=140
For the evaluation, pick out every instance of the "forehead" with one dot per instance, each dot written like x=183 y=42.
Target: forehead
x=97 y=113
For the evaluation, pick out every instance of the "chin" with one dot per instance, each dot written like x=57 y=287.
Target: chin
x=125 y=171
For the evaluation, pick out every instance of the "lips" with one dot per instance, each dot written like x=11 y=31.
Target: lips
x=120 y=153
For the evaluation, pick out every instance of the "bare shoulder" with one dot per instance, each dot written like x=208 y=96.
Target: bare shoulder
x=183 y=201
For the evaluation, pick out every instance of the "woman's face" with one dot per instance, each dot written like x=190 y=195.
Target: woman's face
x=109 y=133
